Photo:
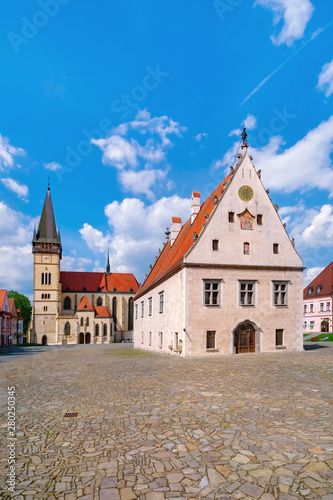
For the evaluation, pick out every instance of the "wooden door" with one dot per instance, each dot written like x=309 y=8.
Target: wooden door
x=245 y=338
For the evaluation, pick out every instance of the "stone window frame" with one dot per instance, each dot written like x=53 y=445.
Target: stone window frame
x=275 y=248
x=161 y=302
x=280 y=296
x=136 y=311
x=245 y=293
x=142 y=309
x=279 y=337
x=215 y=245
x=211 y=293
x=150 y=306
x=210 y=340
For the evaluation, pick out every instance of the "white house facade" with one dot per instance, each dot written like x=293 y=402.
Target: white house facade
x=228 y=281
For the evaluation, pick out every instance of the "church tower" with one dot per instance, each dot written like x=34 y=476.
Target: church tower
x=47 y=251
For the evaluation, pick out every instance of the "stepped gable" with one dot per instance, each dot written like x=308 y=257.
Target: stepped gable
x=85 y=305
x=102 y=312
x=172 y=256
x=121 y=282
x=76 y=281
x=325 y=280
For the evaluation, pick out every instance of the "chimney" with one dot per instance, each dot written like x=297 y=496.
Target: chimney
x=176 y=225
x=195 y=207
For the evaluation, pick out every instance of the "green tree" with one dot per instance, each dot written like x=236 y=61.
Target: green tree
x=23 y=303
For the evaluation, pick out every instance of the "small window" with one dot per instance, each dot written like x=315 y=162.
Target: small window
x=136 y=311
x=246 y=248
x=142 y=309
x=45 y=308
x=305 y=325
x=150 y=336
x=275 y=248
x=310 y=290
x=211 y=293
x=311 y=308
x=279 y=337
x=67 y=328
x=210 y=339
x=321 y=307
x=176 y=341
x=161 y=308
x=81 y=322
x=161 y=340
x=49 y=278
x=105 y=330
x=247 y=297
x=231 y=216
x=97 y=330
x=99 y=301
x=280 y=293
x=319 y=287
x=87 y=321
x=142 y=336
x=48 y=295
x=305 y=309
x=259 y=220
x=215 y=244
x=328 y=306
x=150 y=306
x=311 y=325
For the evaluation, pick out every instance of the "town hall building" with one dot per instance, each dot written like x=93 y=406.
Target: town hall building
x=228 y=281
x=76 y=307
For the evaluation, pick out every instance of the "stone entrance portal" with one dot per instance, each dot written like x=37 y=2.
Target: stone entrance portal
x=245 y=338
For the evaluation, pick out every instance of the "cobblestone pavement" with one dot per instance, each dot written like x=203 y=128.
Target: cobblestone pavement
x=152 y=426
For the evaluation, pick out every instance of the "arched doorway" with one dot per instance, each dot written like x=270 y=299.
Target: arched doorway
x=245 y=338
x=44 y=340
x=87 y=338
x=324 y=326
x=81 y=338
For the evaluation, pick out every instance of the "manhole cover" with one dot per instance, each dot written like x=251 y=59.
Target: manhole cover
x=71 y=414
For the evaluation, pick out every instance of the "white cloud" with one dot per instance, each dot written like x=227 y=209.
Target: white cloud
x=310 y=274
x=21 y=190
x=95 y=239
x=199 y=137
x=250 y=122
x=75 y=264
x=325 y=80
x=304 y=166
x=137 y=231
x=53 y=166
x=136 y=157
x=7 y=153
x=295 y=15
x=319 y=233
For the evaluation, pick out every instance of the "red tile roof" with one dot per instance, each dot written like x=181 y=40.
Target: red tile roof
x=102 y=312
x=85 y=305
x=172 y=256
x=76 y=281
x=12 y=306
x=3 y=294
x=324 y=280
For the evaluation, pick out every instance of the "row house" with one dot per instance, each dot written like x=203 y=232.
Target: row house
x=318 y=303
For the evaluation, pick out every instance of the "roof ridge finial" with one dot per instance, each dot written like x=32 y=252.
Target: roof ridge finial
x=48 y=184
x=244 y=138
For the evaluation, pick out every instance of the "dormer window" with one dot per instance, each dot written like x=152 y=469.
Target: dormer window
x=310 y=290
x=319 y=287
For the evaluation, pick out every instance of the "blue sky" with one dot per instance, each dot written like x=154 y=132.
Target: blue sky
x=128 y=107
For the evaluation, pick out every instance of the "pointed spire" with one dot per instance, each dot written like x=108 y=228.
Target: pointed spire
x=47 y=230
x=108 y=267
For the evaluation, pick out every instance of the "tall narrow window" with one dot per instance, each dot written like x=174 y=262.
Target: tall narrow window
x=212 y=293
x=81 y=321
x=67 y=303
x=311 y=308
x=67 y=328
x=161 y=340
x=99 y=301
x=275 y=248
x=305 y=309
x=280 y=293
x=42 y=278
x=210 y=339
x=328 y=306
x=176 y=342
x=150 y=306
x=279 y=337
x=142 y=309
x=231 y=216
x=136 y=311
x=215 y=244
x=87 y=321
x=130 y=313
x=247 y=248
x=259 y=220
x=105 y=330
x=141 y=337
x=247 y=297
x=150 y=335
x=97 y=330
x=49 y=278
x=321 y=306
x=161 y=309
x=114 y=312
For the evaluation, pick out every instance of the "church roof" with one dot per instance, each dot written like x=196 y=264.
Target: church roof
x=172 y=256
x=47 y=230
x=102 y=312
x=321 y=285
x=77 y=281
x=85 y=305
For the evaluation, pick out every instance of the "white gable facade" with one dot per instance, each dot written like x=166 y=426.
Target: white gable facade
x=238 y=287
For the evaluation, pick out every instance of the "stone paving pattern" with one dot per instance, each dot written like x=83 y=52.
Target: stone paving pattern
x=153 y=426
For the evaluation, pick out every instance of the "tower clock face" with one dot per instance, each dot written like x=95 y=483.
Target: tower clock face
x=245 y=193
x=46 y=259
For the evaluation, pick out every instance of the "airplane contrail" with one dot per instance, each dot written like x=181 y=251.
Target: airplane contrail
x=265 y=80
